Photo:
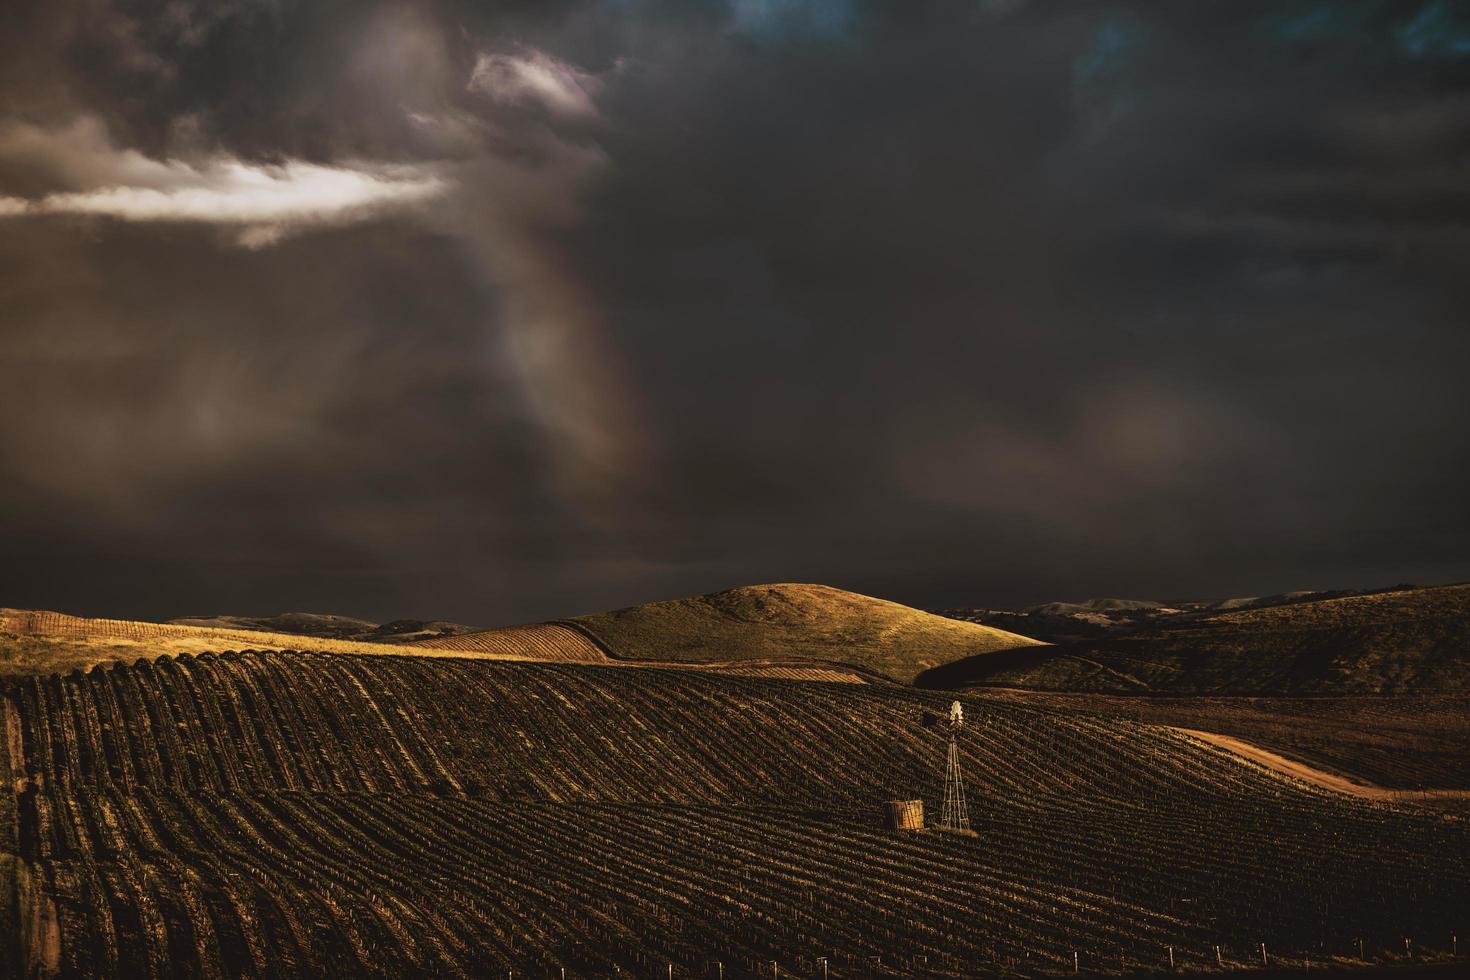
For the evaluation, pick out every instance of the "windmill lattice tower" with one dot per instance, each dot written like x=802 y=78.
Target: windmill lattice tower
x=955 y=814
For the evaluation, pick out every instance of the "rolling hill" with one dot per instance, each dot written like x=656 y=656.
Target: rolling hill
x=1072 y=622
x=799 y=631
x=1405 y=641
x=34 y=641
x=288 y=814
x=813 y=622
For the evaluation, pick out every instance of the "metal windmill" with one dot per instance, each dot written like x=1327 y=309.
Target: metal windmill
x=955 y=814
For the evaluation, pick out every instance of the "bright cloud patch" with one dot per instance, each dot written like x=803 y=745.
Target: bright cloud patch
x=265 y=202
x=535 y=78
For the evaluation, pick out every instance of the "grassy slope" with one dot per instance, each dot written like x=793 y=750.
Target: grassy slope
x=35 y=642
x=1389 y=643
x=783 y=621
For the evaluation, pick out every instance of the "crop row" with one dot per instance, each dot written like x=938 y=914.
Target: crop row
x=557 y=732
x=1403 y=742
x=267 y=814
x=286 y=883
x=542 y=641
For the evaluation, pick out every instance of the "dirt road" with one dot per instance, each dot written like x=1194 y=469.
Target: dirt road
x=1317 y=777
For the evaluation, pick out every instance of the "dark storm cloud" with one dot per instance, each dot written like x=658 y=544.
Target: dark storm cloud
x=429 y=309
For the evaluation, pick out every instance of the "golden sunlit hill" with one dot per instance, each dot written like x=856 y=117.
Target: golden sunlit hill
x=814 y=622
x=38 y=642
x=1404 y=641
x=805 y=632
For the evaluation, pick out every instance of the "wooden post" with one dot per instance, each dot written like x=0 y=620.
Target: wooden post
x=1264 y=961
x=1408 y=950
x=1360 y=948
x=1454 y=945
x=823 y=960
x=671 y=971
x=775 y=971
x=1171 y=956
x=1219 y=960
x=1076 y=964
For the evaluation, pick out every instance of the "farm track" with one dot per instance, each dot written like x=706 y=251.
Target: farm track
x=279 y=814
x=1409 y=743
x=1326 y=780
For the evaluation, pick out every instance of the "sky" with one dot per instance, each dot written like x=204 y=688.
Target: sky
x=497 y=312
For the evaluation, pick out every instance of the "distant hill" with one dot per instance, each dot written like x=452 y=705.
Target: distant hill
x=795 y=621
x=1071 y=622
x=1096 y=605
x=1067 y=622
x=329 y=627
x=1409 y=640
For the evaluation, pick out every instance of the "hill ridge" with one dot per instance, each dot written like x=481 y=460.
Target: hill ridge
x=1395 y=641
x=809 y=620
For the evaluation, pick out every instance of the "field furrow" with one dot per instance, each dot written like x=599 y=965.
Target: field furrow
x=282 y=814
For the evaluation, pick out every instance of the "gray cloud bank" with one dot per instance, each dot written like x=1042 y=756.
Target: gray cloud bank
x=436 y=310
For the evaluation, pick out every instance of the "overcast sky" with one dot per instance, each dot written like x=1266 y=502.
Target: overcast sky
x=500 y=312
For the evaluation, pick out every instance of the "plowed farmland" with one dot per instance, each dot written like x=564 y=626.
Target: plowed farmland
x=542 y=641
x=287 y=814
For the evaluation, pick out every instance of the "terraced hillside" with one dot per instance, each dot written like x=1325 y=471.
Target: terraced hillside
x=814 y=622
x=279 y=814
x=1408 y=641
